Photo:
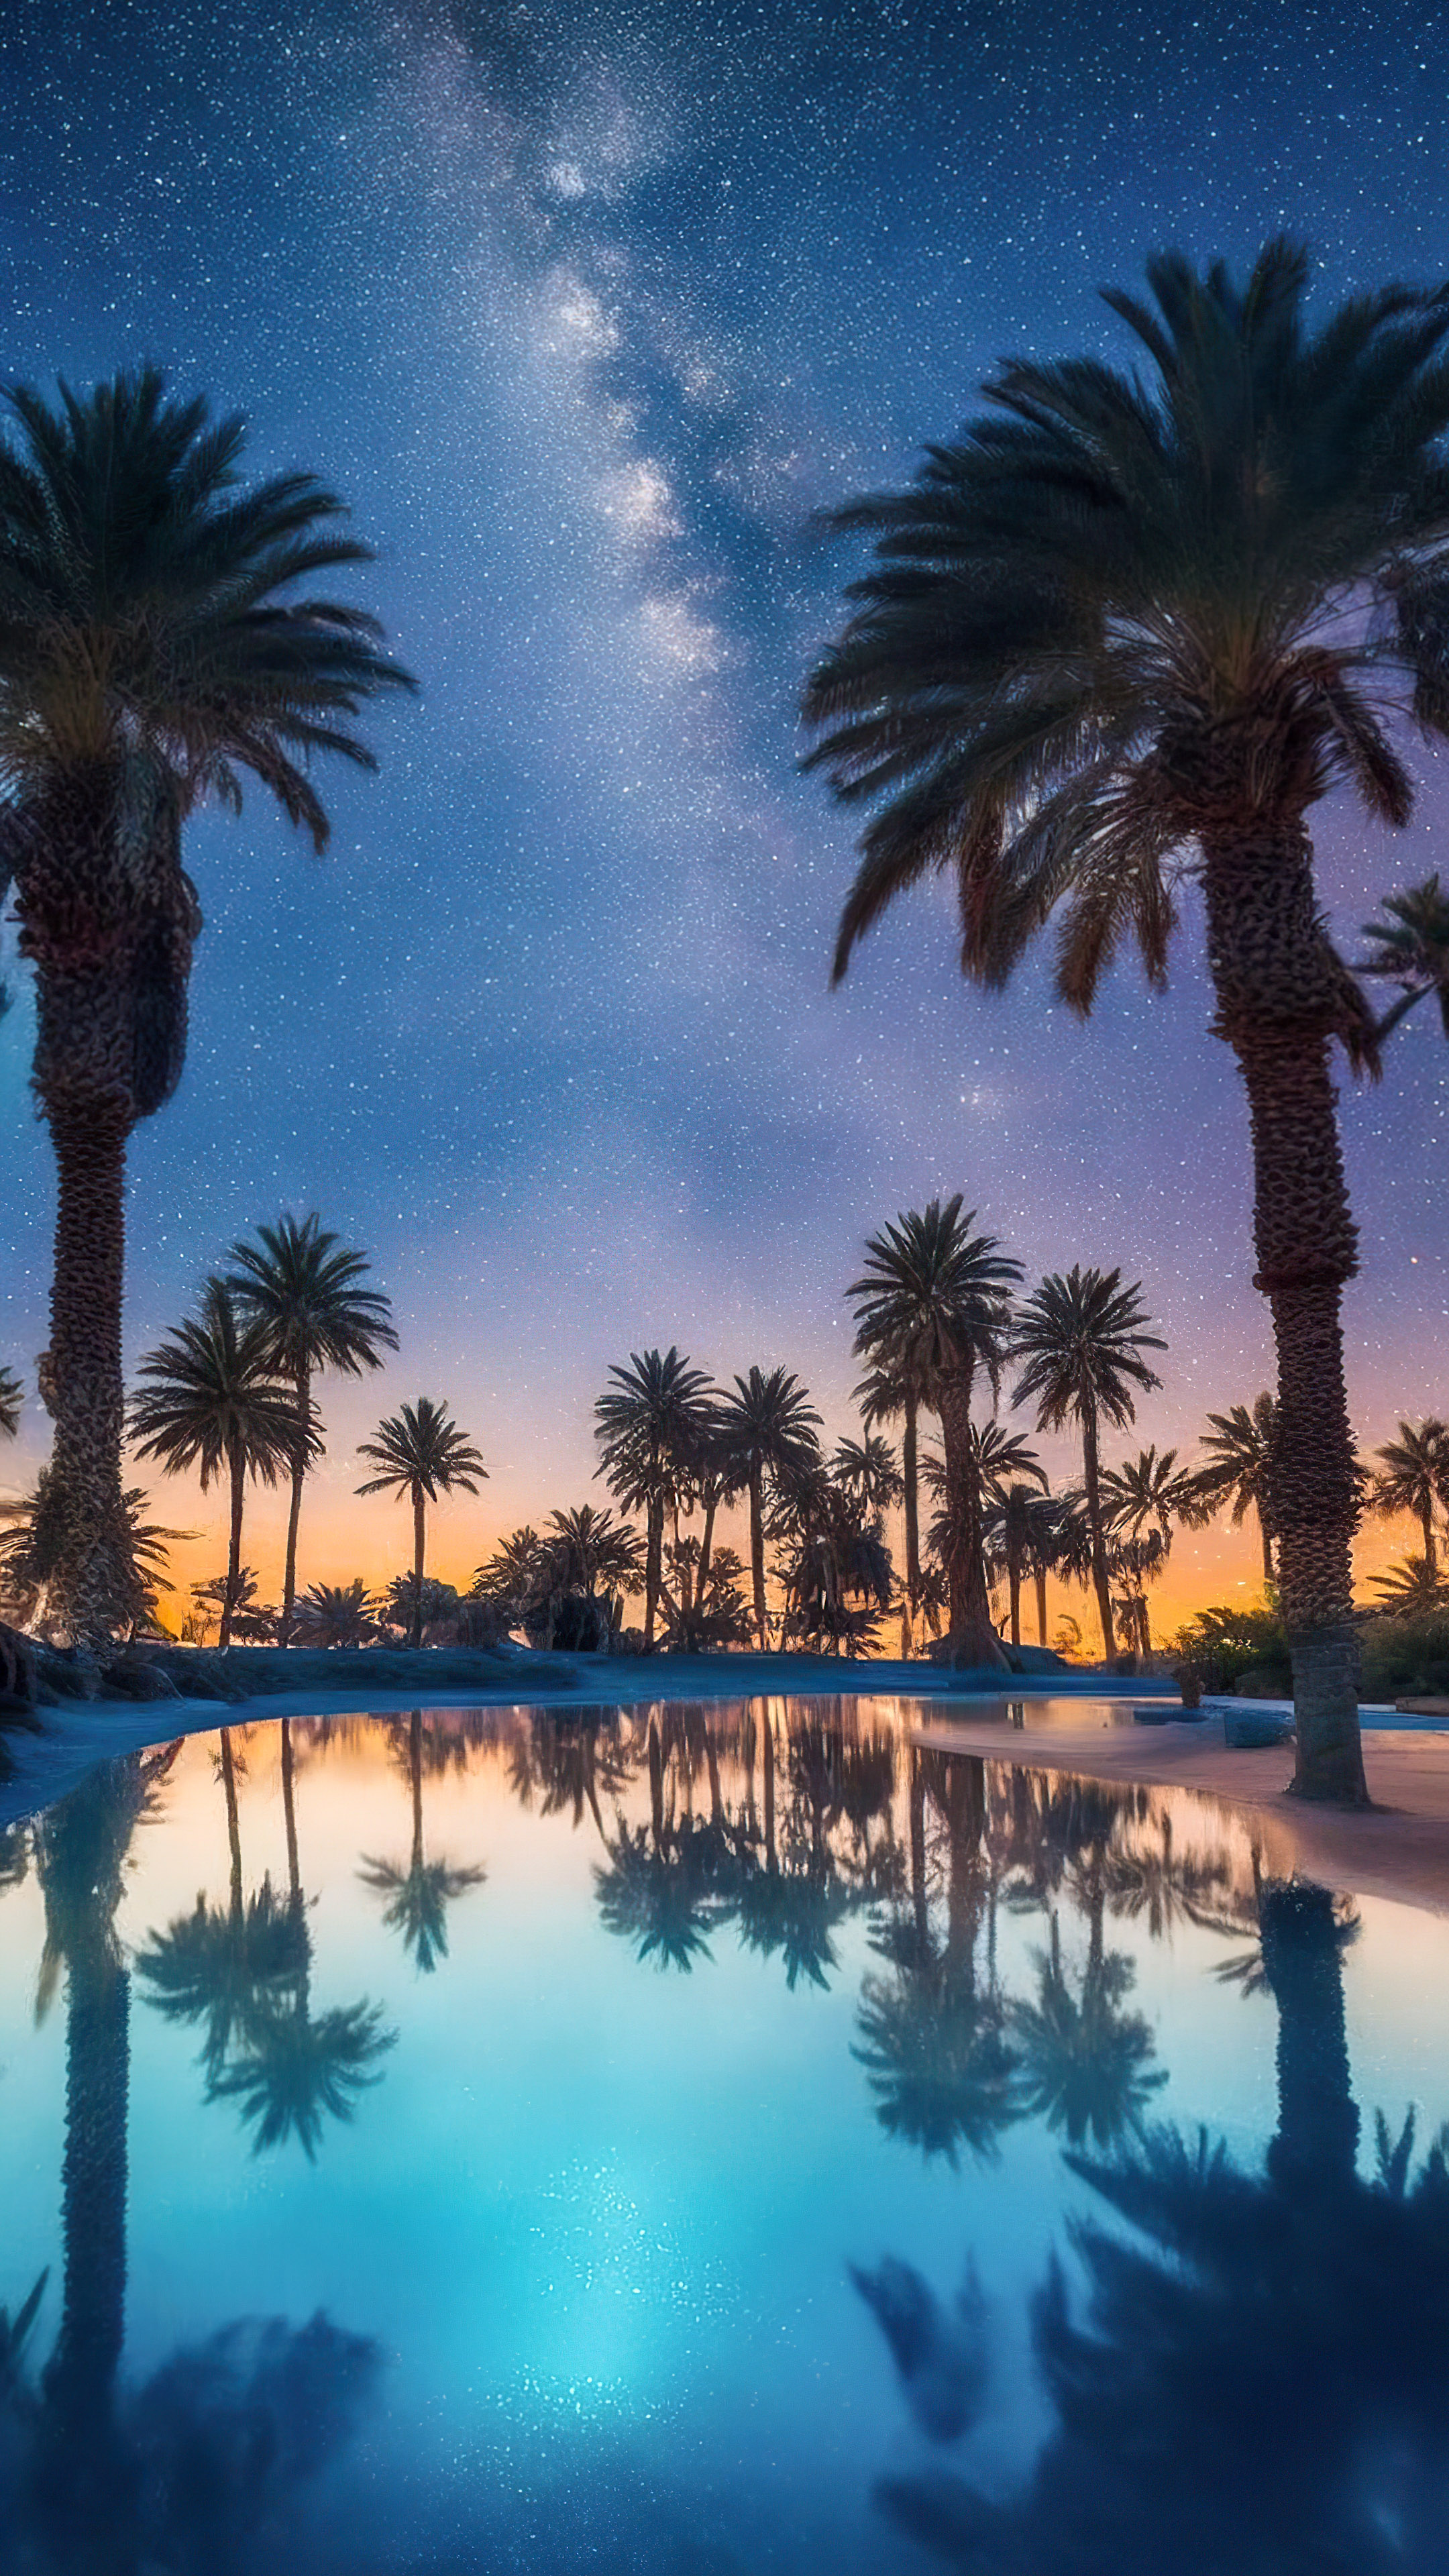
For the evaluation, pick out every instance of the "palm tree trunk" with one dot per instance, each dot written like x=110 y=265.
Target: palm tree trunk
x=299 y=1470
x=706 y=1546
x=1317 y=2140
x=1101 y=1583
x=1268 y=1575
x=1013 y=1579
x=289 y=1812
x=81 y=1534
x=910 y=1472
x=1431 y=1553
x=1282 y=1000
x=1039 y=1579
x=973 y=1634
x=653 y=1563
x=238 y=1470
x=415 y=1777
x=233 y=1820
x=419 y=1546
x=757 y=1548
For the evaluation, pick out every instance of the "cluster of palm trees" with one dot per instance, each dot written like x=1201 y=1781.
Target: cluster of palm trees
x=1123 y=631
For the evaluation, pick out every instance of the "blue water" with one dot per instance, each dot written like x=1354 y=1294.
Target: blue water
x=706 y=2140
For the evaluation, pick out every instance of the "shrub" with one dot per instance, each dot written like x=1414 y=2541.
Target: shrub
x=1227 y=1648
x=1405 y=1657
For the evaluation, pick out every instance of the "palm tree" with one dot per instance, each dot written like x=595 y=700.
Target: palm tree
x=336 y=1614
x=1239 y=1447
x=21 y=1588
x=154 y=651
x=12 y=1396
x=1415 y=1478
x=593 y=1548
x=1412 y=947
x=652 y=1425
x=1145 y=1500
x=1013 y=1536
x=866 y=1470
x=236 y=1597
x=1124 y=628
x=419 y=1891
x=1413 y=1585
x=766 y=1428
x=1081 y=1338
x=303 y=1288
x=422 y=1454
x=214 y=1402
x=934 y=1299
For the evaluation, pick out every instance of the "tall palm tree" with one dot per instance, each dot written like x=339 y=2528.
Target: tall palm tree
x=1239 y=1448
x=422 y=1454
x=593 y=1548
x=766 y=1427
x=1131 y=626
x=1081 y=1338
x=154 y=651
x=12 y=1396
x=419 y=1891
x=893 y=1390
x=213 y=1401
x=867 y=1471
x=652 y=1424
x=1014 y=1539
x=1414 y=1477
x=934 y=1298
x=304 y=1289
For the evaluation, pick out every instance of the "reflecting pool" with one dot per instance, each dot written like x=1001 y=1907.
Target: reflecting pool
x=706 y=2140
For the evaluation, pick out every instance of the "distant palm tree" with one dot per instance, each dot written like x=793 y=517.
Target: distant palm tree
x=934 y=1299
x=766 y=1427
x=422 y=1454
x=653 y=1425
x=593 y=1548
x=213 y=1401
x=336 y=1614
x=1129 y=627
x=304 y=1289
x=153 y=654
x=12 y=1396
x=252 y=1620
x=419 y=1891
x=1239 y=1447
x=1014 y=1536
x=1081 y=1338
x=1412 y=947
x=1414 y=1478
x=1411 y=1585
x=867 y=1470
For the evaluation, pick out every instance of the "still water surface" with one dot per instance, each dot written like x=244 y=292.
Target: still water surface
x=706 y=2140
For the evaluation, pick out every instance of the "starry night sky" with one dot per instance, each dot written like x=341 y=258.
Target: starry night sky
x=585 y=309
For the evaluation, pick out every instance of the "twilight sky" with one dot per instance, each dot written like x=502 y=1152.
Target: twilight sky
x=584 y=308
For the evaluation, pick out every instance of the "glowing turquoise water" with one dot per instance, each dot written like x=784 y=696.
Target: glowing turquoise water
x=651 y=2143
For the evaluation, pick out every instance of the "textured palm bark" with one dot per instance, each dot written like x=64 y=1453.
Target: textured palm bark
x=82 y=1540
x=973 y=1631
x=653 y=1562
x=1283 y=997
x=1039 y=1579
x=237 y=1474
x=1092 y=1487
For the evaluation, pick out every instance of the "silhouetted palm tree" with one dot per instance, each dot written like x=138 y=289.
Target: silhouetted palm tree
x=419 y=1891
x=336 y=1614
x=216 y=1965
x=1239 y=1449
x=1414 y=1477
x=1016 y=1539
x=1088 y=2064
x=765 y=1428
x=304 y=1289
x=593 y=1548
x=1082 y=1337
x=1411 y=947
x=422 y=1454
x=154 y=653
x=934 y=1299
x=213 y=1401
x=1412 y=1585
x=1210 y=586
x=652 y=1425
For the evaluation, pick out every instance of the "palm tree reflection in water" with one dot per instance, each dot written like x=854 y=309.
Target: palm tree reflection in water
x=204 y=2460
x=420 y=1891
x=1261 y=2380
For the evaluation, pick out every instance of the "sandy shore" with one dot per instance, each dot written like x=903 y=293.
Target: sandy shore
x=1400 y=1850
